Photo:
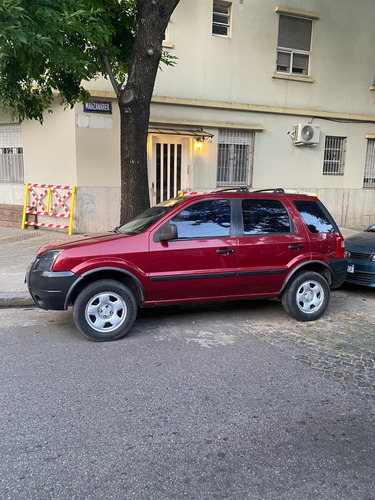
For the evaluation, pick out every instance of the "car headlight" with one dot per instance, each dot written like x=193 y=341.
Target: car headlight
x=347 y=254
x=46 y=260
x=373 y=258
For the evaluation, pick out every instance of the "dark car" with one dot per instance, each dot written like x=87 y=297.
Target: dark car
x=360 y=252
x=226 y=245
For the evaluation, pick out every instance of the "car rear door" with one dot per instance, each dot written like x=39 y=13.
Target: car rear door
x=201 y=262
x=269 y=246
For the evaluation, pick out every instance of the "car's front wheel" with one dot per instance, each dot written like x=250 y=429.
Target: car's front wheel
x=306 y=297
x=105 y=310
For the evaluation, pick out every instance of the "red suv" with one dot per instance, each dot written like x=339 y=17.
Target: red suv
x=229 y=244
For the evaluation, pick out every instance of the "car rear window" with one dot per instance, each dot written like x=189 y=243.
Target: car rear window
x=265 y=217
x=316 y=216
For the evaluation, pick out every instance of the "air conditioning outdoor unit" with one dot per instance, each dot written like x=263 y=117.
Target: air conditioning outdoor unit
x=306 y=134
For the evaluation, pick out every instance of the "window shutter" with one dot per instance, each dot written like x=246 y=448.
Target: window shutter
x=283 y=61
x=295 y=33
x=300 y=63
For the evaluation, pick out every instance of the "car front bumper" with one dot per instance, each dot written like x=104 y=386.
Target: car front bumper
x=49 y=289
x=364 y=273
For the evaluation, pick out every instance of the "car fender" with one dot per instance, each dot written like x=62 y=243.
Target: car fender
x=87 y=266
x=126 y=272
x=300 y=267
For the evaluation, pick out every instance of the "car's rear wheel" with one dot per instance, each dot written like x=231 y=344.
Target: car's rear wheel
x=105 y=310
x=306 y=297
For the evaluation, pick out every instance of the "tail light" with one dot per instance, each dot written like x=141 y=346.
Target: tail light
x=340 y=252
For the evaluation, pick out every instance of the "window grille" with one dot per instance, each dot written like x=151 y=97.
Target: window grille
x=221 y=18
x=294 y=45
x=369 y=178
x=235 y=150
x=334 y=155
x=11 y=154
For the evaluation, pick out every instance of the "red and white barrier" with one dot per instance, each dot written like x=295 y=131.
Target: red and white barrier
x=57 y=198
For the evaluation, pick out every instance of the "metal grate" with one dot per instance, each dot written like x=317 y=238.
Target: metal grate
x=360 y=256
x=235 y=150
x=369 y=177
x=334 y=155
x=168 y=170
x=11 y=153
x=361 y=277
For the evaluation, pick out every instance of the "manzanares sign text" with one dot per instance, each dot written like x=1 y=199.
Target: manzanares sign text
x=97 y=107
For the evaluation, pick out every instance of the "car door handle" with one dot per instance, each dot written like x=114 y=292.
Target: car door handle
x=296 y=247
x=225 y=250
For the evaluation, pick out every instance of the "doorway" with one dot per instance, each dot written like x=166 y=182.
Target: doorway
x=169 y=170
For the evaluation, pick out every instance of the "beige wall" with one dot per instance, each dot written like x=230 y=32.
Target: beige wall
x=353 y=208
x=98 y=147
x=240 y=68
x=12 y=193
x=49 y=149
x=96 y=209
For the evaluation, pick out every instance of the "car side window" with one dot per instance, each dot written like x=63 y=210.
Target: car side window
x=316 y=217
x=205 y=219
x=265 y=217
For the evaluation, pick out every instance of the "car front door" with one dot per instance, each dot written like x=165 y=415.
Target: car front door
x=200 y=263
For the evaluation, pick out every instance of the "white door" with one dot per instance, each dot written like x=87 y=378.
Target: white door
x=169 y=170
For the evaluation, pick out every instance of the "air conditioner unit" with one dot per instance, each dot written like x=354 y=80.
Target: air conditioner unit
x=306 y=134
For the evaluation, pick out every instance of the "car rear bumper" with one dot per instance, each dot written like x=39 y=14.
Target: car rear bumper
x=339 y=268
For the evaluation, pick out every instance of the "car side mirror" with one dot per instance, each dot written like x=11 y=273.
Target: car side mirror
x=168 y=232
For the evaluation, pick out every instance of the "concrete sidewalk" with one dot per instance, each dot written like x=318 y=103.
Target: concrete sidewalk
x=17 y=249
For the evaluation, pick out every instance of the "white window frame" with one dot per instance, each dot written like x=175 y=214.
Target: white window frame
x=234 y=142
x=334 y=155
x=167 y=44
x=292 y=52
x=369 y=175
x=228 y=15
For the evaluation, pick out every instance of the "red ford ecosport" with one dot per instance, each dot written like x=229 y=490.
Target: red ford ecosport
x=229 y=244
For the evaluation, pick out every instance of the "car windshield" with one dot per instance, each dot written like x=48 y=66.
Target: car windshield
x=148 y=217
x=371 y=229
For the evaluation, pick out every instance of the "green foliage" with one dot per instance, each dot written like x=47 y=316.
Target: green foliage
x=49 y=46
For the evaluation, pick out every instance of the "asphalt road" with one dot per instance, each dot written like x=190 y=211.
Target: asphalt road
x=197 y=402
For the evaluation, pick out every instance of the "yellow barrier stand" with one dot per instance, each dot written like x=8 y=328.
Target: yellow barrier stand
x=71 y=210
x=25 y=206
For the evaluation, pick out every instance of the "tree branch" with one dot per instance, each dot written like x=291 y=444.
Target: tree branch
x=110 y=74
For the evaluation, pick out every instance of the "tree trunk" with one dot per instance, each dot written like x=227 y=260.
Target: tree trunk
x=134 y=103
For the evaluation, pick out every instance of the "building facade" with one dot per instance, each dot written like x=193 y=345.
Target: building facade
x=262 y=95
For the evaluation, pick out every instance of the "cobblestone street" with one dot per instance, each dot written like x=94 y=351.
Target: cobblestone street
x=341 y=344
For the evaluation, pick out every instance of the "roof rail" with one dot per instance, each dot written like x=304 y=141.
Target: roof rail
x=273 y=190
x=242 y=189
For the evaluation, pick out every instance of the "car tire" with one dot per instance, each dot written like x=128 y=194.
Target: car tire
x=105 y=310
x=306 y=297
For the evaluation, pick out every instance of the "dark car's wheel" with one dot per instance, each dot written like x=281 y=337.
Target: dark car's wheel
x=306 y=297
x=105 y=310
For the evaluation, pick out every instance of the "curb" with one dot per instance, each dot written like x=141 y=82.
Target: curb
x=20 y=237
x=16 y=300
